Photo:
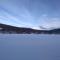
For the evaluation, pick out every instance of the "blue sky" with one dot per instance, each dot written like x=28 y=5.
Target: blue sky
x=30 y=13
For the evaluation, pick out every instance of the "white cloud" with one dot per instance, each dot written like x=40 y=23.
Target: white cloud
x=49 y=22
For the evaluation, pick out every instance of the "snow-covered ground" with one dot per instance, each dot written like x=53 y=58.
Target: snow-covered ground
x=29 y=47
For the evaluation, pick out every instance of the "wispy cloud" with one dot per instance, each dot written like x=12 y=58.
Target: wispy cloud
x=22 y=19
x=49 y=22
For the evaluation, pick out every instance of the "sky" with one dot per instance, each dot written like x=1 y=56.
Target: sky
x=30 y=13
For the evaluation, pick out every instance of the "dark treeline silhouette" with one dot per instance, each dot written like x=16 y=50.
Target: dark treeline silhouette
x=22 y=30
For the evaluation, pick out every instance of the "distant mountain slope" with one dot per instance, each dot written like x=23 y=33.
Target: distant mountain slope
x=22 y=30
x=12 y=29
x=56 y=31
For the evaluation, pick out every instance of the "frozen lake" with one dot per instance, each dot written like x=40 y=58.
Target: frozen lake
x=29 y=47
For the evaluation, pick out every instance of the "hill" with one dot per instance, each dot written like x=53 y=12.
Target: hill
x=22 y=30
